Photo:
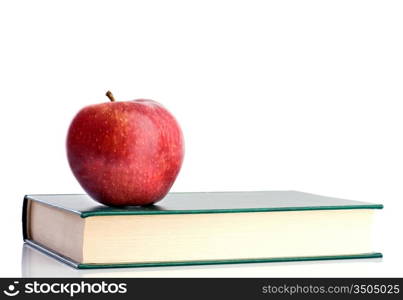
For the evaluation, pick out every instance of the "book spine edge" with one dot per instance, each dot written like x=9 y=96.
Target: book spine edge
x=52 y=254
x=25 y=218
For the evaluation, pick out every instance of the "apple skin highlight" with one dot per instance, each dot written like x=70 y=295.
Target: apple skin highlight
x=125 y=153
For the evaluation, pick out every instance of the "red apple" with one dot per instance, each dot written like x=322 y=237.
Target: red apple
x=125 y=153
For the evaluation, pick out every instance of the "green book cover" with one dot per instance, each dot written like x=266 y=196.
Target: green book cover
x=198 y=203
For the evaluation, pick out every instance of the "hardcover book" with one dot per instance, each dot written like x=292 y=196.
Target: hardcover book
x=199 y=228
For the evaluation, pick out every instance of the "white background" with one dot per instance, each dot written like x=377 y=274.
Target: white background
x=303 y=95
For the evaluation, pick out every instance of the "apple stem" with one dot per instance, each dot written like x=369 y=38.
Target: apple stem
x=110 y=96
